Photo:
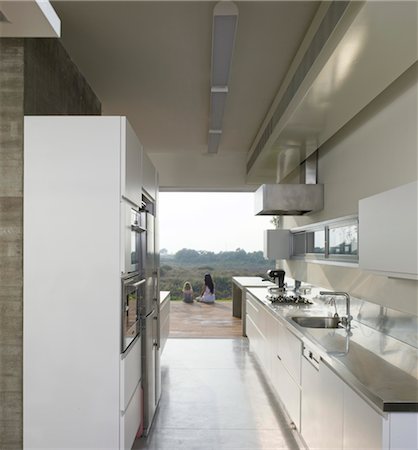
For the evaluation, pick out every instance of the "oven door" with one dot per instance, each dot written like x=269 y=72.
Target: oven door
x=133 y=230
x=132 y=292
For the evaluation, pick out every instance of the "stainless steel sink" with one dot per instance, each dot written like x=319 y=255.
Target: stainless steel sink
x=318 y=322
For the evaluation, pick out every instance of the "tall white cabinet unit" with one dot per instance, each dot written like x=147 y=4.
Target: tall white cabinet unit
x=78 y=391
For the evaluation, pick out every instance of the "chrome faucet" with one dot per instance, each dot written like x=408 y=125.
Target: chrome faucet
x=346 y=321
x=331 y=302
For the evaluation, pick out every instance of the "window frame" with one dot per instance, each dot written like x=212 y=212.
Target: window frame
x=325 y=227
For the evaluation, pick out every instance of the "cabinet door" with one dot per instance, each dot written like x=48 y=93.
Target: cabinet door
x=290 y=351
x=388 y=232
x=149 y=177
x=130 y=373
x=331 y=398
x=131 y=156
x=311 y=405
x=130 y=420
x=252 y=333
x=363 y=427
x=287 y=389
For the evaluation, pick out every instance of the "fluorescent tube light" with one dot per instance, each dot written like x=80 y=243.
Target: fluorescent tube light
x=214 y=140
x=224 y=25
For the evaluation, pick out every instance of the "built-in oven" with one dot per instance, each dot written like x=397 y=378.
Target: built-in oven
x=132 y=295
x=134 y=227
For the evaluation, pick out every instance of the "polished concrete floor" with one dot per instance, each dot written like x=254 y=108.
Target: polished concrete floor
x=215 y=397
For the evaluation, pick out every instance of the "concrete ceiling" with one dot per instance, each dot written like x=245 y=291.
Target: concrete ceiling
x=150 y=61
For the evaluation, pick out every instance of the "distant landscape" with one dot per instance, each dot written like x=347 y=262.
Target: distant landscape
x=191 y=265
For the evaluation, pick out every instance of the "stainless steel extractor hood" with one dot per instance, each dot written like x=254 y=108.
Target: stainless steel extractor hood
x=288 y=199
x=292 y=199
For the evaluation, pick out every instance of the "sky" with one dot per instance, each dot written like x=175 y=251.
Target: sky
x=221 y=221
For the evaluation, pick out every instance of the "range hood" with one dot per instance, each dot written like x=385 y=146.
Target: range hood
x=292 y=199
x=288 y=199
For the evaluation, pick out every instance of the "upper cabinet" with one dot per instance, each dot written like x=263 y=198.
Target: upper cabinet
x=388 y=232
x=131 y=164
x=149 y=177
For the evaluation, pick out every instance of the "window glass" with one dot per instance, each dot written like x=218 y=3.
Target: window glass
x=299 y=243
x=315 y=242
x=343 y=240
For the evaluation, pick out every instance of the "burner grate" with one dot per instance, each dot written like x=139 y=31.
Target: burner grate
x=290 y=299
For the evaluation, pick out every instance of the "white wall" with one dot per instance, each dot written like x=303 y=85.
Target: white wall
x=374 y=152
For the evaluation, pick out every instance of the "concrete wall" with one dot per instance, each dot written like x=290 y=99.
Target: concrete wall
x=36 y=77
x=11 y=240
x=374 y=152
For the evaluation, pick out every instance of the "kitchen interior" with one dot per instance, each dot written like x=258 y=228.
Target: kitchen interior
x=310 y=105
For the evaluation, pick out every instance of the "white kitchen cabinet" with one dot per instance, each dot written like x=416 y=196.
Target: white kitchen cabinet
x=253 y=318
x=77 y=388
x=130 y=373
x=331 y=409
x=290 y=351
x=258 y=317
x=164 y=318
x=287 y=389
x=286 y=373
x=277 y=244
x=149 y=177
x=131 y=164
x=388 y=232
x=363 y=427
x=130 y=419
x=311 y=405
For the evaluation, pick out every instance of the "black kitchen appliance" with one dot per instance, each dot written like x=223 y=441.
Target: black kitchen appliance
x=277 y=275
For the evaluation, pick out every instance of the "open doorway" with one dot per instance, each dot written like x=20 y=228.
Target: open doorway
x=215 y=233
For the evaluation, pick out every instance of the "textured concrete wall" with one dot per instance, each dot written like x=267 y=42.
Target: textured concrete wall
x=36 y=77
x=11 y=221
x=53 y=83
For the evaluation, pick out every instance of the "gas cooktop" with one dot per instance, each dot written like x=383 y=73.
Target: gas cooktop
x=289 y=299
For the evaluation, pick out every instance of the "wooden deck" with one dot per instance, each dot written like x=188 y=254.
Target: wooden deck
x=198 y=320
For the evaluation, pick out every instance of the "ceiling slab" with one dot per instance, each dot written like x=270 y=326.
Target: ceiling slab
x=151 y=61
x=28 y=18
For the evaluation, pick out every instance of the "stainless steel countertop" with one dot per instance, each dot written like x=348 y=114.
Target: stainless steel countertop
x=245 y=282
x=380 y=368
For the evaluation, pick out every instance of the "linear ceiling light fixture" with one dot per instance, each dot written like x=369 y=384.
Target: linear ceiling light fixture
x=224 y=26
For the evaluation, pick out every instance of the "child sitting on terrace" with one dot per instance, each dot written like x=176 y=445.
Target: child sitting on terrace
x=187 y=293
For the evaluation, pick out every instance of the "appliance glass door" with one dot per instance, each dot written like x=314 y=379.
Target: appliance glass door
x=133 y=240
x=131 y=296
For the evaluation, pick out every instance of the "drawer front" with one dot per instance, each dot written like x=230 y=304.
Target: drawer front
x=257 y=313
x=131 y=420
x=287 y=389
x=290 y=351
x=130 y=374
x=252 y=334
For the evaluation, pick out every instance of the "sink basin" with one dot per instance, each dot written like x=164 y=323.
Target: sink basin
x=318 y=322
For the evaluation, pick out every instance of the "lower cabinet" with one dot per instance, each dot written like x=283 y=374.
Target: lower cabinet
x=287 y=389
x=278 y=352
x=130 y=420
x=363 y=426
x=164 y=319
x=327 y=412
x=322 y=405
x=311 y=406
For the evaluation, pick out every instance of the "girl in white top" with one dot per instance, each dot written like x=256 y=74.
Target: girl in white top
x=208 y=291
